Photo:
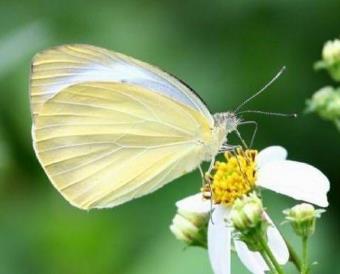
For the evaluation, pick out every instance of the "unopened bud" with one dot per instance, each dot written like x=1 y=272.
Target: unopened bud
x=331 y=59
x=303 y=218
x=326 y=103
x=191 y=221
x=247 y=218
x=247 y=212
x=322 y=101
x=331 y=51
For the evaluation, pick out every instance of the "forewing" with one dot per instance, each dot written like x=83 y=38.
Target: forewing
x=102 y=144
x=63 y=66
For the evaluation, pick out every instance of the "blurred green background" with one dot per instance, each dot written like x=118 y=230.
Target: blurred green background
x=226 y=50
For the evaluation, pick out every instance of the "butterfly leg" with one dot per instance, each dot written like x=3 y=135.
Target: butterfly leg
x=206 y=187
x=211 y=166
x=254 y=123
x=206 y=175
x=226 y=148
x=202 y=175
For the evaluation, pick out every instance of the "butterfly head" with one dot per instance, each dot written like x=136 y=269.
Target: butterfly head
x=226 y=120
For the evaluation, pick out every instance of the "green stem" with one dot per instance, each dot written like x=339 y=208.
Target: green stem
x=271 y=257
x=304 y=268
x=293 y=257
x=268 y=261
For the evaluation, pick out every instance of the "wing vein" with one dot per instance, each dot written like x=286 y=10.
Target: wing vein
x=86 y=163
x=101 y=169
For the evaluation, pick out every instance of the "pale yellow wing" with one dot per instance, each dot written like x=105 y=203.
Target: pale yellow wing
x=102 y=144
x=63 y=66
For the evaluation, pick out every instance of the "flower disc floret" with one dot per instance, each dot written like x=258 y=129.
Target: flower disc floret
x=234 y=178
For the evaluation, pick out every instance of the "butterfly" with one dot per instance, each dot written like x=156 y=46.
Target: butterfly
x=108 y=128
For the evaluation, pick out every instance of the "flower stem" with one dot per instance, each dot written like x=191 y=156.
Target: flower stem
x=304 y=268
x=277 y=268
x=268 y=261
x=293 y=257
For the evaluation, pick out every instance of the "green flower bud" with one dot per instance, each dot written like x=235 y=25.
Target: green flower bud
x=331 y=51
x=303 y=218
x=331 y=59
x=190 y=225
x=247 y=213
x=326 y=103
x=247 y=218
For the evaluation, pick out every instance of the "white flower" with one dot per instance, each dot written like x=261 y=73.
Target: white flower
x=291 y=178
x=295 y=179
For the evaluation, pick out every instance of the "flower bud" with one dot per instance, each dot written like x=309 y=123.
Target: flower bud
x=302 y=218
x=191 y=221
x=247 y=213
x=326 y=103
x=247 y=218
x=331 y=51
x=331 y=59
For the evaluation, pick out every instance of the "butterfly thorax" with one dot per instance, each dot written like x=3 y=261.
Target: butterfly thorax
x=224 y=123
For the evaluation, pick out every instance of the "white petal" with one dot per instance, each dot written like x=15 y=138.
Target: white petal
x=270 y=154
x=252 y=260
x=219 y=241
x=297 y=180
x=277 y=244
x=195 y=204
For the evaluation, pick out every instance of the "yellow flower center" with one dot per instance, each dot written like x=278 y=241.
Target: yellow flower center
x=234 y=178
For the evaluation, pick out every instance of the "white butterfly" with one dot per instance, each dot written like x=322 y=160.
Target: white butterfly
x=108 y=128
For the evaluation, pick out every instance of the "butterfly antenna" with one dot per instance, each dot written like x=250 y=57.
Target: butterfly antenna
x=261 y=90
x=293 y=115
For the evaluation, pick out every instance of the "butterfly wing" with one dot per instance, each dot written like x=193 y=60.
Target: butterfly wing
x=102 y=144
x=56 y=68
